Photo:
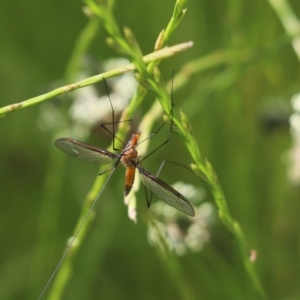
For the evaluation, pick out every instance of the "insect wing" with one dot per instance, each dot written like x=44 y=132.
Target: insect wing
x=85 y=151
x=165 y=192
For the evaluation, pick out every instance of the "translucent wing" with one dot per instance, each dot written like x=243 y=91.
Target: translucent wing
x=85 y=151
x=166 y=193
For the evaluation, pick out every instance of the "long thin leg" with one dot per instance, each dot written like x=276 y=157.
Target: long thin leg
x=161 y=126
x=73 y=238
x=149 y=199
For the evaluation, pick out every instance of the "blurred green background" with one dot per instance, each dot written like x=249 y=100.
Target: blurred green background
x=239 y=111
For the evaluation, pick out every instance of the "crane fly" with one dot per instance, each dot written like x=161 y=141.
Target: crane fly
x=131 y=161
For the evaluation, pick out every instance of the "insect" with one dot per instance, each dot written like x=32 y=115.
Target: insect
x=131 y=161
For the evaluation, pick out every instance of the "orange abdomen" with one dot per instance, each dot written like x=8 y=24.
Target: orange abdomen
x=129 y=179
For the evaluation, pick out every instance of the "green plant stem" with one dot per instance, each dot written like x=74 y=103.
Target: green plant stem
x=203 y=169
x=178 y=14
x=158 y=55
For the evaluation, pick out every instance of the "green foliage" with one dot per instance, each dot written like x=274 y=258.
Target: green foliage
x=230 y=87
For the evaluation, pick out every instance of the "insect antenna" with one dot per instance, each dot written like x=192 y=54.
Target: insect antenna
x=113 y=120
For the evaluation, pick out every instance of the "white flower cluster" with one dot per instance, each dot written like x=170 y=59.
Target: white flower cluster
x=182 y=233
x=89 y=108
